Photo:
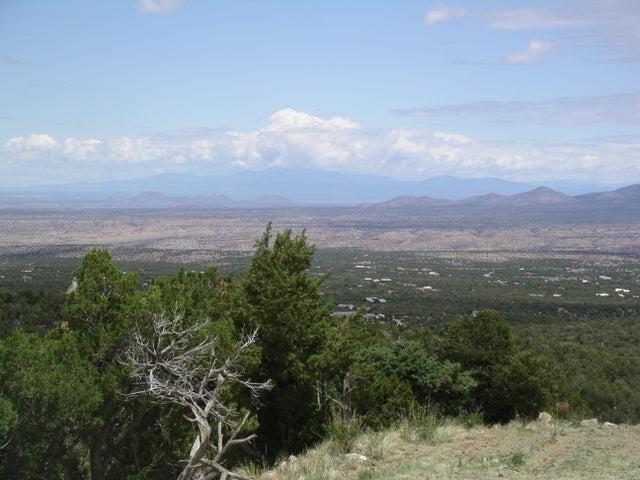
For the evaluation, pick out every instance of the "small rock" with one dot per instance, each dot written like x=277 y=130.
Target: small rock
x=268 y=476
x=545 y=418
x=591 y=422
x=609 y=424
x=356 y=457
x=292 y=459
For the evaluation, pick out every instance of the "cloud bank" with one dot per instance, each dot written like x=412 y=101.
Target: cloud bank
x=300 y=140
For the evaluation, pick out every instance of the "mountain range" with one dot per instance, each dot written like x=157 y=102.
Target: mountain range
x=299 y=185
x=541 y=196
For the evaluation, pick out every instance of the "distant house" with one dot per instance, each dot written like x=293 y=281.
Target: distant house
x=345 y=306
x=343 y=314
x=385 y=280
x=375 y=300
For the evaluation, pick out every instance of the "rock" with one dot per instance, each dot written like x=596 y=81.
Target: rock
x=591 y=422
x=269 y=476
x=289 y=461
x=545 y=418
x=356 y=457
x=610 y=425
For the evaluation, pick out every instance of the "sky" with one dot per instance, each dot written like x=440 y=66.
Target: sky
x=523 y=90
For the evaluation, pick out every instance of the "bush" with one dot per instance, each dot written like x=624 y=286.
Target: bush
x=342 y=434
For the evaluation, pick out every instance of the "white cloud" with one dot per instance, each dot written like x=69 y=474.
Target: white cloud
x=297 y=139
x=441 y=13
x=288 y=118
x=534 y=52
x=157 y=6
x=32 y=146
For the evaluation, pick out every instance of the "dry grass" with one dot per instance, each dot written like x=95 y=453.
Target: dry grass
x=447 y=450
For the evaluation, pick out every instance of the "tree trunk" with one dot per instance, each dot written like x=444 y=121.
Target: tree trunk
x=347 y=413
x=95 y=459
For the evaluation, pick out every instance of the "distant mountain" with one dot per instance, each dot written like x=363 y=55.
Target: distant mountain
x=538 y=196
x=487 y=200
x=456 y=188
x=299 y=185
x=625 y=194
x=309 y=186
x=575 y=187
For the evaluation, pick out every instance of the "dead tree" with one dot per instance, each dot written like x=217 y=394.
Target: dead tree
x=170 y=366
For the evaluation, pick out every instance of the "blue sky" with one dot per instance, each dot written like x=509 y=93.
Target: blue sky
x=525 y=90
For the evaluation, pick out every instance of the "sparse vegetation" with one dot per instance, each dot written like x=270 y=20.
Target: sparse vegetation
x=516 y=450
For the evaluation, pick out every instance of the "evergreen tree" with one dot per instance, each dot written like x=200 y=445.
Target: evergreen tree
x=287 y=305
x=510 y=380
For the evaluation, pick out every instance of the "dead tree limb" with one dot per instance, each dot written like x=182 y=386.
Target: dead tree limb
x=170 y=366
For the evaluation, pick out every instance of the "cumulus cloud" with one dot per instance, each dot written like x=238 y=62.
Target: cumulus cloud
x=157 y=6
x=534 y=52
x=623 y=108
x=301 y=140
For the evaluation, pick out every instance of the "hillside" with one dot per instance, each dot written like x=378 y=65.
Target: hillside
x=559 y=450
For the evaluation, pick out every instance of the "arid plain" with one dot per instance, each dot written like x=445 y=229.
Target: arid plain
x=179 y=235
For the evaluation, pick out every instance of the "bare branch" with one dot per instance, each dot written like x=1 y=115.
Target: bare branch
x=170 y=366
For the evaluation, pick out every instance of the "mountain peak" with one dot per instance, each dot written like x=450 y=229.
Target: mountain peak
x=541 y=195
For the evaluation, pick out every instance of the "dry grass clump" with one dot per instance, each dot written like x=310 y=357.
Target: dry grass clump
x=319 y=463
x=377 y=445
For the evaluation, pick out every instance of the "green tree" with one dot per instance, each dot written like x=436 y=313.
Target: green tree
x=52 y=392
x=392 y=376
x=511 y=381
x=101 y=312
x=287 y=305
